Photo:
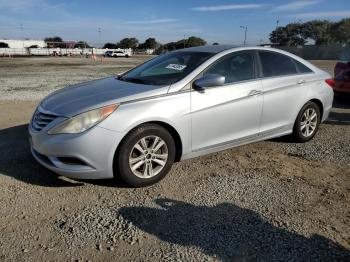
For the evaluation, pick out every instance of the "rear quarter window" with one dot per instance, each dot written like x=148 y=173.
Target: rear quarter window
x=301 y=67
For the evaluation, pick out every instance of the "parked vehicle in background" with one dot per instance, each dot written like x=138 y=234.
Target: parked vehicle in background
x=177 y=106
x=116 y=54
x=342 y=78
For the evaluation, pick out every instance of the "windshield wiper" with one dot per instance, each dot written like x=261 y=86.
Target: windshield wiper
x=133 y=80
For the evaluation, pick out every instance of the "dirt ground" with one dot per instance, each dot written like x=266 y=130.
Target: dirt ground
x=268 y=201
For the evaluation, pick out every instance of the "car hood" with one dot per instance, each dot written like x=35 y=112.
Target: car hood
x=83 y=97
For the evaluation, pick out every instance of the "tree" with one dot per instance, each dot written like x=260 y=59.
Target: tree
x=289 y=35
x=110 y=46
x=319 y=31
x=81 y=44
x=169 y=46
x=322 y=32
x=4 y=45
x=53 y=39
x=340 y=31
x=128 y=43
x=54 y=42
x=183 y=43
x=150 y=43
x=195 y=41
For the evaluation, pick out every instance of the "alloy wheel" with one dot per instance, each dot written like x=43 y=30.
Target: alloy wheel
x=148 y=157
x=308 y=122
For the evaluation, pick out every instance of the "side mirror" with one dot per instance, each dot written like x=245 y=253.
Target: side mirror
x=210 y=80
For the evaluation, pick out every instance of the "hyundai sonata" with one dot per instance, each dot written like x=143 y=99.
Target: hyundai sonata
x=177 y=106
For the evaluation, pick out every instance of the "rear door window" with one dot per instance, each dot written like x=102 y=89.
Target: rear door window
x=275 y=64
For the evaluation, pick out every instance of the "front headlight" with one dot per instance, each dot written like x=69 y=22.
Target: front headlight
x=83 y=122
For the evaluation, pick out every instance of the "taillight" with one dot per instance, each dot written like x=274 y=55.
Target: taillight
x=330 y=82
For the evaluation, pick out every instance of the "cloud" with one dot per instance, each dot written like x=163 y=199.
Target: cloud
x=322 y=14
x=17 y=5
x=20 y=6
x=226 y=7
x=81 y=28
x=297 y=5
x=155 y=21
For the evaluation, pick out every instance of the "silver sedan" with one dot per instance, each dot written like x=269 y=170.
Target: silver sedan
x=178 y=106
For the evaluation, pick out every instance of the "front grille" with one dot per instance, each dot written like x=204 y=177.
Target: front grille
x=41 y=120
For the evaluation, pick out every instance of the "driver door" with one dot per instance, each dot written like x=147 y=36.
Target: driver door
x=230 y=113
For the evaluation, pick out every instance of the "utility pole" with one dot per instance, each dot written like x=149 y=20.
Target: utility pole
x=99 y=30
x=277 y=22
x=245 y=33
x=21 y=28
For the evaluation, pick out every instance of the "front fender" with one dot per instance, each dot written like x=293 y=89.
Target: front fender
x=172 y=109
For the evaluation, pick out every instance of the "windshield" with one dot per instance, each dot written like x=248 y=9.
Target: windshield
x=166 y=69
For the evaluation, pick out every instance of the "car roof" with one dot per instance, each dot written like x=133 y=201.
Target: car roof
x=215 y=49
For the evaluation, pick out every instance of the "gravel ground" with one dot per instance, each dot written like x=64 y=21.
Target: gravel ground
x=269 y=201
x=34 y=78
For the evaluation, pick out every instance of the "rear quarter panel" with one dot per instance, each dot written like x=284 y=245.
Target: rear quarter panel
x=324 y=93
x=284 y=98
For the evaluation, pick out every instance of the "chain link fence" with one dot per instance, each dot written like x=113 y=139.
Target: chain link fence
x=320 y=52
x=339 y=52
x=5 y=52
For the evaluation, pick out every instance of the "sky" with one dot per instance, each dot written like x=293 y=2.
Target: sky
x=98 y=22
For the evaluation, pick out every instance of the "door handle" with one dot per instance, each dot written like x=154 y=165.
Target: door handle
x=254 y=92
x=301 y=81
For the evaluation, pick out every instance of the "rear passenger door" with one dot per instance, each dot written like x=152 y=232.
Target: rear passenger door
x=284 y=81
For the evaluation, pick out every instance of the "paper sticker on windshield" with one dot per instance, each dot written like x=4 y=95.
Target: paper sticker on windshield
x=176 y=67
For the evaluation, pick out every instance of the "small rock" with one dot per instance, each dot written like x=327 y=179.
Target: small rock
x=99 y=247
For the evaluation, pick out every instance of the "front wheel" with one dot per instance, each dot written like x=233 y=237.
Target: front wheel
x=145 y=155
x=307 y=122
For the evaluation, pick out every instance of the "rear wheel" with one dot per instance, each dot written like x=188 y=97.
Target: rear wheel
x=145 y=155
x=307 y=122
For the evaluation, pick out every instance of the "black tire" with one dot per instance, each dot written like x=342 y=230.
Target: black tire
x=121 y=163
x=127 y=56
x=298 y=136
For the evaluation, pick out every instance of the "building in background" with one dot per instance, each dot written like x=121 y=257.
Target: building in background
x=17 y=43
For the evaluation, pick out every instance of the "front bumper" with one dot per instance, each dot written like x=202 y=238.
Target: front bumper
x=92 y=152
